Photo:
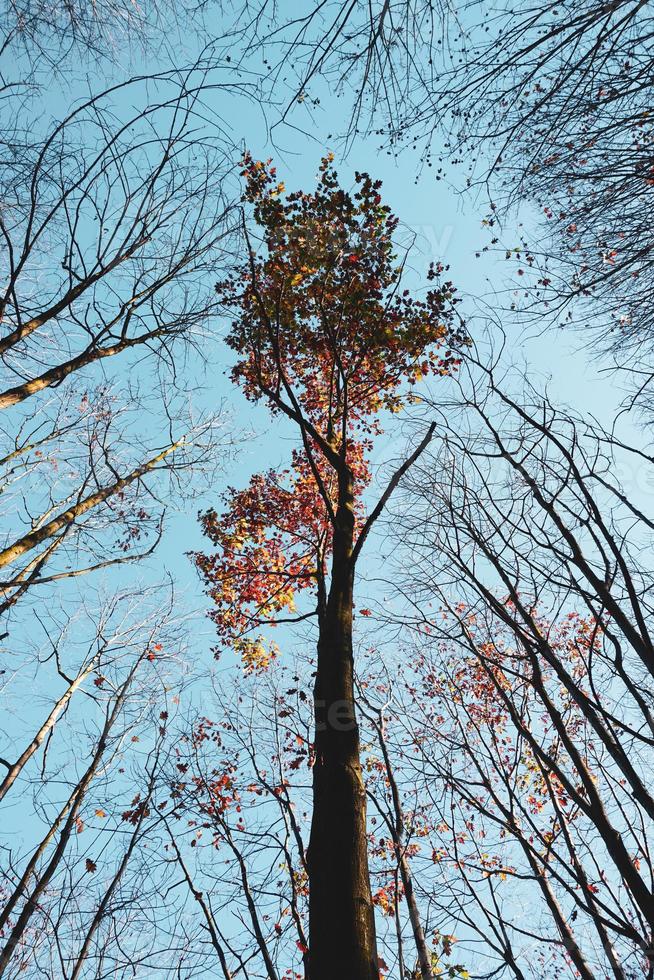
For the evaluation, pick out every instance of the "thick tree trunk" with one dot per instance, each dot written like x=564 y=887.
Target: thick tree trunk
x=342 y=943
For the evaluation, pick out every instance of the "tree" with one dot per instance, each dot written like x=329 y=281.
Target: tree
x=114 y=195
x=327 y=338
x=105 y=234
x=546 y=104
x=530 y=706
x=394 y=816
x=83 y=863
x=239 y=820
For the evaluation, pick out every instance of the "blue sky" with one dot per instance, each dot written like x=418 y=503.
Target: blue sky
x=447 y=226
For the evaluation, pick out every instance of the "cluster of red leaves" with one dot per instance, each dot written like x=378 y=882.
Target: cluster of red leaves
x=271 y=541
x=139 y=809
x=387 y=898
x=218 y=792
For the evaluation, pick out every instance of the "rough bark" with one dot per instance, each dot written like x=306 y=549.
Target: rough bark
x=342 y=940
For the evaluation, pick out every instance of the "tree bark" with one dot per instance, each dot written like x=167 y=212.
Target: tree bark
x=15 y=769
x=71 y=514
x=342 y=942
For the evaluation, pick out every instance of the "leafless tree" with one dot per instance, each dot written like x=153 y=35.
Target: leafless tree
x=527 y=707
x=112 y=224
x=115 y=215
x=48 y=39
x=81 y=863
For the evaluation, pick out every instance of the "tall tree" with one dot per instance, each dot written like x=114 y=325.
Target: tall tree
x=239 y=821
x=324 y=335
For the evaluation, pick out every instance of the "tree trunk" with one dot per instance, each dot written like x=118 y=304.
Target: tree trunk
x=342 y=942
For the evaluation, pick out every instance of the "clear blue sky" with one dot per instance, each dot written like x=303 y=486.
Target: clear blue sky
x=447 y=225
